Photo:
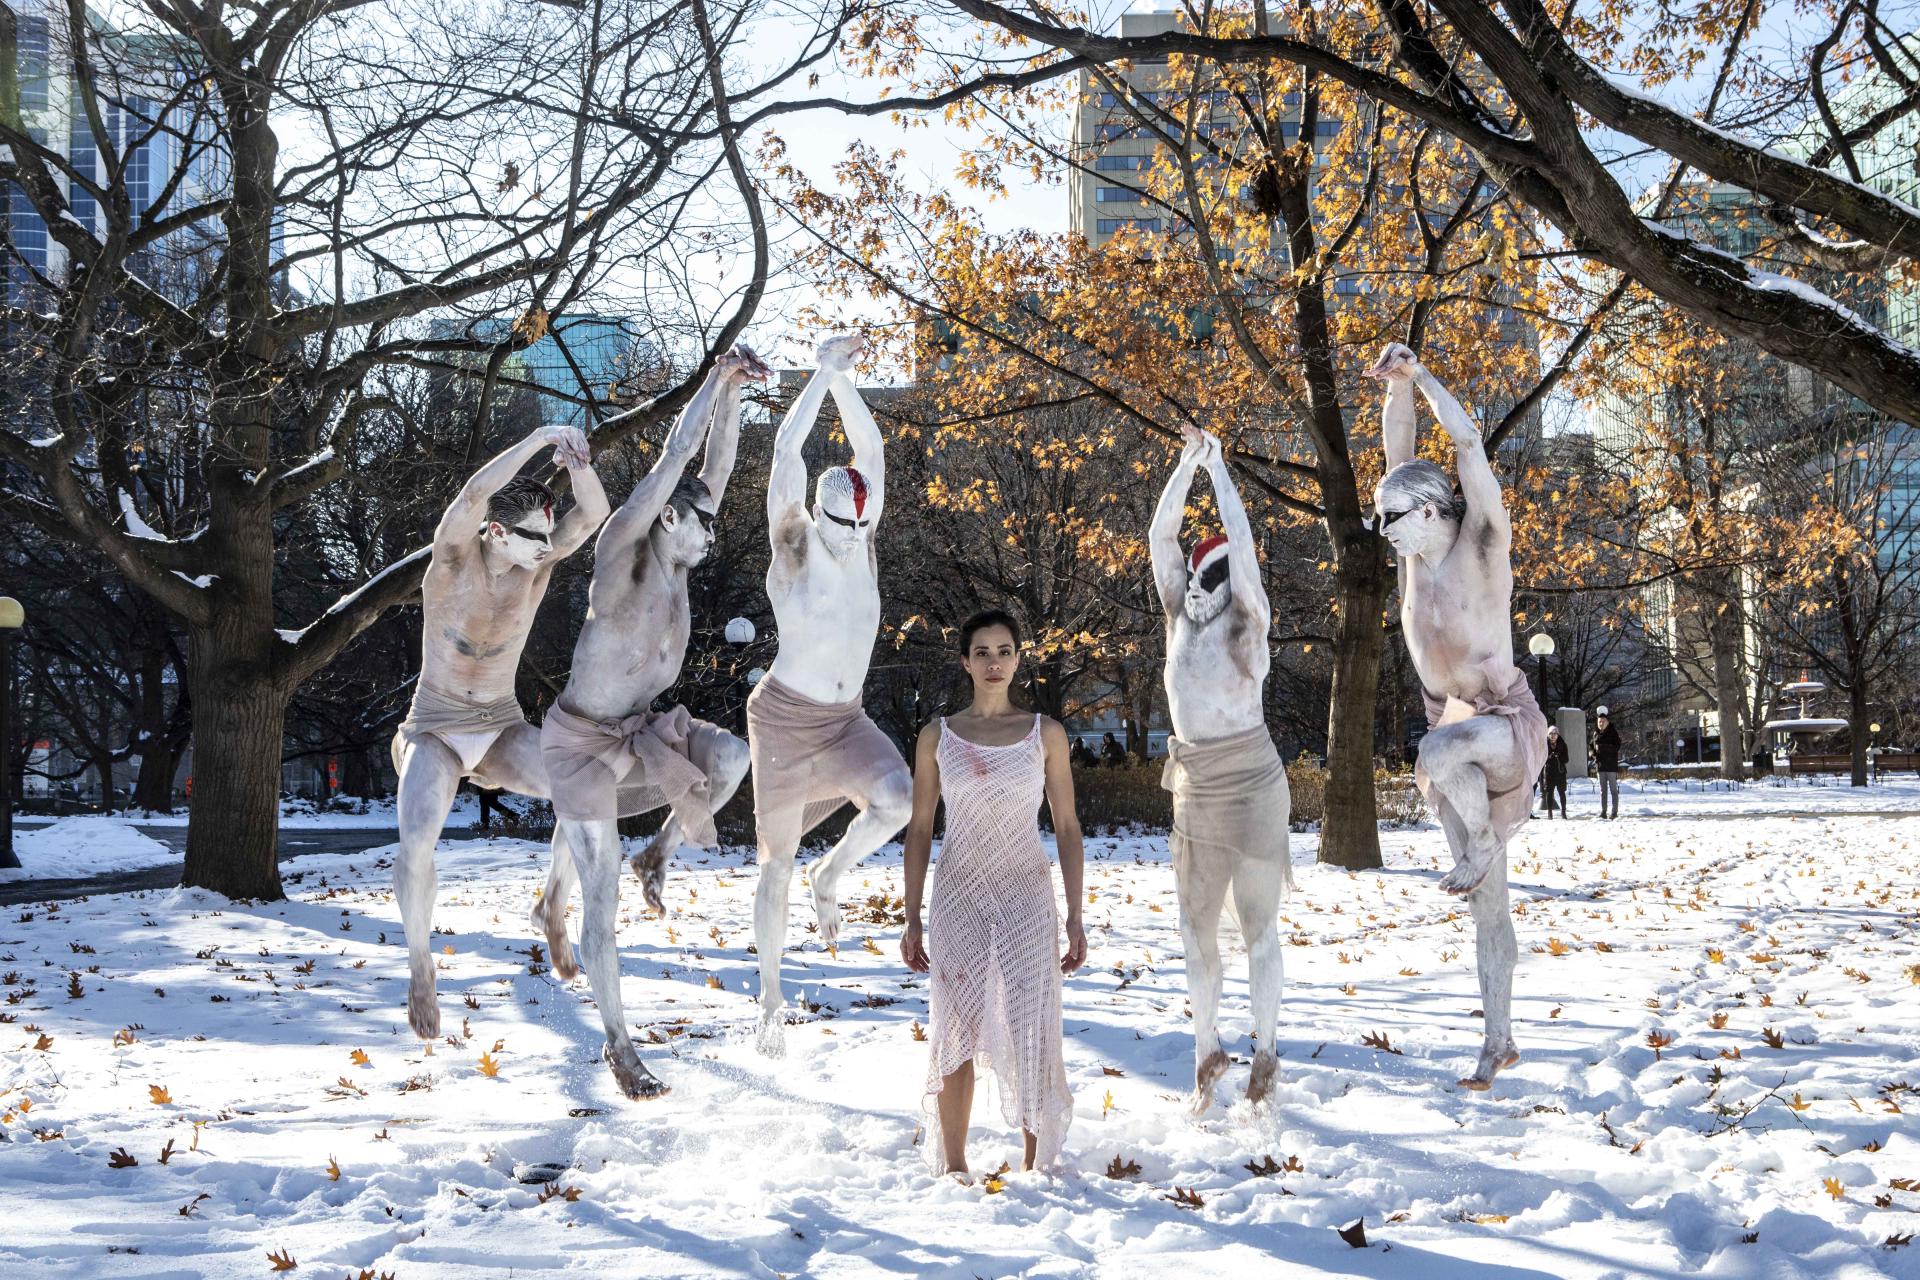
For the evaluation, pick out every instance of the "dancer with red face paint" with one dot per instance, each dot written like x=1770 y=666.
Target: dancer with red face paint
x=813 y=745
x=1230 y=800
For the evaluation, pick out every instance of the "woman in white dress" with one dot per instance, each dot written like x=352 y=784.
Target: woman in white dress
x=993 y=945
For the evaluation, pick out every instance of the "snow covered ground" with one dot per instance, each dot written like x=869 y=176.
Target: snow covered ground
x=85 y=845
x=255 y=1062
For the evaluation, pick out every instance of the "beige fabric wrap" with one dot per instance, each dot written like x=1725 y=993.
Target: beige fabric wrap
x=436 y=714
x=812 y=756
x=1507 y=810
x=605 y=769
x=1229 y=798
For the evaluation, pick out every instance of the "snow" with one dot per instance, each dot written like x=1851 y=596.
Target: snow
x=90 y=844
x=136 y=526
x=1597 y=1155
x=294 y=636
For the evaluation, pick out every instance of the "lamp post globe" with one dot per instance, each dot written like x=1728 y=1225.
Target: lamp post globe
x=740 y=632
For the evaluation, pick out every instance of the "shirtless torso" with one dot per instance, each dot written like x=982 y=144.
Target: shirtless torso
x=1487 y=737
x=493 y=554
x=810 y=748
x=1217 y=618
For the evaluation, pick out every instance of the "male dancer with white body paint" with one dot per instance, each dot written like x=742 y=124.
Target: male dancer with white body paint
x=1230 y=799
x=493 y=554
x=814 y=747
x=1487 y=738
x=608 y=754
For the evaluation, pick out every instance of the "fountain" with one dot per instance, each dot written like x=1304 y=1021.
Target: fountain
x=1803 y=689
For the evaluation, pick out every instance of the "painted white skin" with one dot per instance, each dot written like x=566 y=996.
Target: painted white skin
x=1456 y=597
x=824 y=583
x=629 y=651
x=482 y=588
x=1217 y=662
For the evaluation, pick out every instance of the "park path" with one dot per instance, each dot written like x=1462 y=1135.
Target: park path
x=294 y=842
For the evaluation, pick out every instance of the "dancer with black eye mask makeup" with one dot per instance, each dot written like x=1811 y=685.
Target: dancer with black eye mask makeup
x=1230 y=800
x=1486 y=739
x=493 y=555
x=609 y=754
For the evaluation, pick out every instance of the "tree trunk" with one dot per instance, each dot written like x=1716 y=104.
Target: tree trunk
x=103 y=770
x=153 y=784
x=1725 y=630
x=356 y=774
x=1857 y=712
x=239 y=714
x=1350 y=834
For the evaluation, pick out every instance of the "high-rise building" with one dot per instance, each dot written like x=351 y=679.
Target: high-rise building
x=1115 y=150
x=170 y=144
x=581 y=356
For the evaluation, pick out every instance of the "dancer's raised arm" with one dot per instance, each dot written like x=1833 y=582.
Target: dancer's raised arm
x=863 y=433
x=1243 y=564
x=468 y=510
x=636 y=515
x=1397 y=414
x=590 y=505
x=723 y=437
x=1478 y=485
x=787 y=481
x=1163 y=535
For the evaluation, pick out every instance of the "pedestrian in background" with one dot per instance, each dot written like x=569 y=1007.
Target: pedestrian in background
x=1606 y=762
x=1553 y=775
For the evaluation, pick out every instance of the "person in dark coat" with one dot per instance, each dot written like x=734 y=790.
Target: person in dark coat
x=1606 y=762
x=1112 y=754
x=1553 y=776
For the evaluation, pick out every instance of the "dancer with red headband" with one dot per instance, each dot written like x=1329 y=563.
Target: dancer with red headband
x=1230 y=800
x=814 y=746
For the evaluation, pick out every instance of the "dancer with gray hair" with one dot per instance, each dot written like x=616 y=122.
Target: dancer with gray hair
x=1486 y=740
x=609 y=755
x=493 y=554
x=814 y=746
x=1230 y=797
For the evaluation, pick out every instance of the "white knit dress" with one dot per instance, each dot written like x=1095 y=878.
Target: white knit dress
x=994 y=940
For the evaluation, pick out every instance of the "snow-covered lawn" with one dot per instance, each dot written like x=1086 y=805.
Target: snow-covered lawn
x=254 y=1060
x=85 y=845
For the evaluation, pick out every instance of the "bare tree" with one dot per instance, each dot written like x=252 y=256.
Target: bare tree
x=279 y=199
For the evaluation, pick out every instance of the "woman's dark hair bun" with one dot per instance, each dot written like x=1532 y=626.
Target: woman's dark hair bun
x=981 y=621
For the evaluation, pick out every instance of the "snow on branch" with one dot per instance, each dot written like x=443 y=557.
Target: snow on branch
x=348 y=601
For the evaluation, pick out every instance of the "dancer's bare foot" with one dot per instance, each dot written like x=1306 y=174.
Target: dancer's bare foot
x=826 y=908
x=553 y=925
x=650 y=865
x=1265 y=1067
x=961 y=1176
x=423 y=1003
x=1493 y=1060
x=1208 y=1074
x=772 y=1038
x=632 y=1076
x=1465 y=876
